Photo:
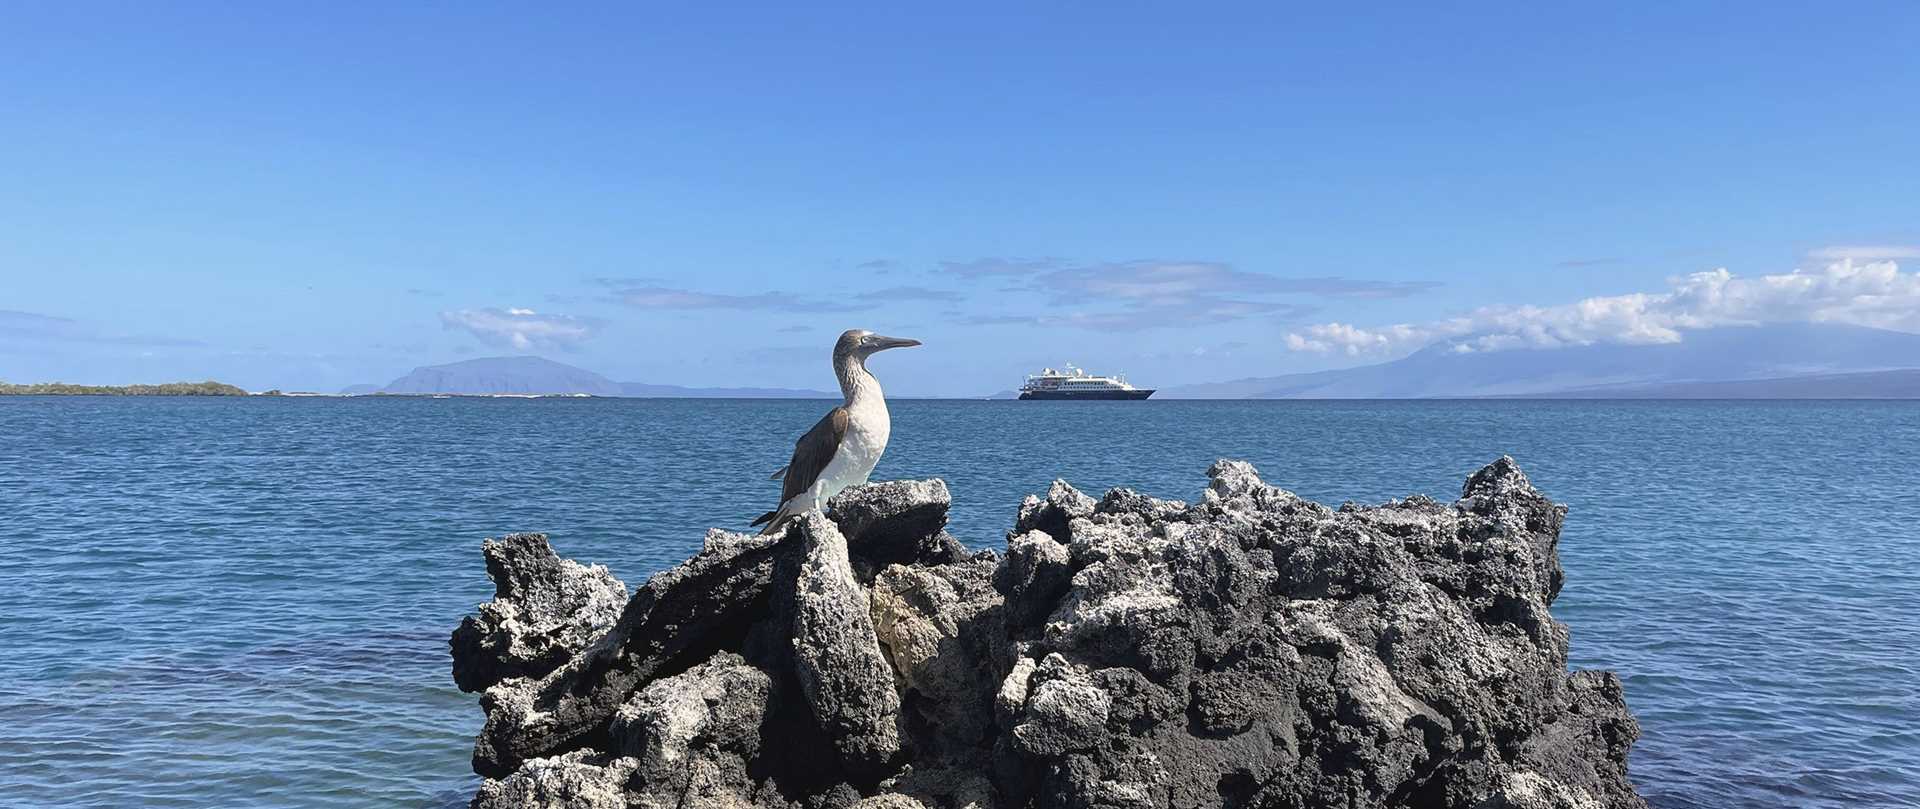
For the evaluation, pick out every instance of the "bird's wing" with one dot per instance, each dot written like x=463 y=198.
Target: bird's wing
x=812 y=452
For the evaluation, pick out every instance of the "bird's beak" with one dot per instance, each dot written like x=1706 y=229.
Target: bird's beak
x=883 y=343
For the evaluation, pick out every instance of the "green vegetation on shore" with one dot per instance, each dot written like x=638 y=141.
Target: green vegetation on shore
x=207 y=388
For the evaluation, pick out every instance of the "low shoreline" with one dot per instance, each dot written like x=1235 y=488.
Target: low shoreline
x=207 y=388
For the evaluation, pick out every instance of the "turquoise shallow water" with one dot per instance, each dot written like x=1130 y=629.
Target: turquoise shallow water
x=213 y=602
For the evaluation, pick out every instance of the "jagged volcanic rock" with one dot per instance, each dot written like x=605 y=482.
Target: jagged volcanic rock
x=578 y=780
x=545 y=609
x=1249 y=649
x=836 y=653
x=694 y=736
x=895 y=522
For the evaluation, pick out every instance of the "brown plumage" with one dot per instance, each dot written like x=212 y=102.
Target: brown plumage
x=810 y=455
x=843 y=448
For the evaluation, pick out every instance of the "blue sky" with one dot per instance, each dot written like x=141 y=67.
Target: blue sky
x=286 y=195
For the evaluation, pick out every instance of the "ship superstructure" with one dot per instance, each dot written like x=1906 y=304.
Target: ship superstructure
x=1069 y=382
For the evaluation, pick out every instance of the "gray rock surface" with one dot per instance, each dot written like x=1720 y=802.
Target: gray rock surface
x=940 y=630
x=577 y=780
x=895 y=522
x=694 y=736
x=1248 y=649
x=836 y=652
x=545 y=610
x=680 y=616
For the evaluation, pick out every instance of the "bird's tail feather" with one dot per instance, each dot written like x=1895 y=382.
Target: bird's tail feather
x=778 y=474
x=776 y=521
x=767 y=517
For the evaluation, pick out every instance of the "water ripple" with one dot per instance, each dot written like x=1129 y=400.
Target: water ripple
x=245 y=602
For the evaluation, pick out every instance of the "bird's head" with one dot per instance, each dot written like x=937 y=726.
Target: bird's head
x=863 y=344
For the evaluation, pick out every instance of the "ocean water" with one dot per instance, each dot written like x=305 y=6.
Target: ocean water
x=245 y=602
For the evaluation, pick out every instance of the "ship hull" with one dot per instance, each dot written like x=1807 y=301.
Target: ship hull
x=1086 y=395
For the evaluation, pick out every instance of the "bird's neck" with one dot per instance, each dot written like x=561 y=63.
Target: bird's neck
x=856 y=384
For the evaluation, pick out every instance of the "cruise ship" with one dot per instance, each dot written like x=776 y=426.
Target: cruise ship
x=1073 y=383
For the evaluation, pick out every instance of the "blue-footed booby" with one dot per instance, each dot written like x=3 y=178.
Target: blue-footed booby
x=842 y=449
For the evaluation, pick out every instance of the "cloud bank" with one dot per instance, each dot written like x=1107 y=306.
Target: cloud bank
x=1866 y=253
x=990 y=267
x=1874 y=293
x=910 y=294
x=53 y=328
x=1168 y=313
x=1167 y=280
x=521 y=329
x=1131 y=295
x=656 y=297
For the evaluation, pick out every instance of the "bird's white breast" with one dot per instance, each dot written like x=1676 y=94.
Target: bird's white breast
x=868 y=427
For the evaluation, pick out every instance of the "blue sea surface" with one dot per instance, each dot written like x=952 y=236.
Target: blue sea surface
x=246 y=602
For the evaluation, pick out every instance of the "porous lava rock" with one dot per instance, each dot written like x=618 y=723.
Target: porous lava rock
x=1250 y=648
x=836 y=653
x=545 y=609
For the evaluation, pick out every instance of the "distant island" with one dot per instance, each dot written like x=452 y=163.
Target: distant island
x=208 y=388
x=511 y=377
x=537 y=376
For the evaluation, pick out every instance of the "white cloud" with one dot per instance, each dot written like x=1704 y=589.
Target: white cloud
x=1875 y=293
x=521 y=329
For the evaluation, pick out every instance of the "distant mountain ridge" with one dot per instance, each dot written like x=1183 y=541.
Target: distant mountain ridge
x=503 y=375
x=1900 y=384
x=1728 y=354
x=537 y=376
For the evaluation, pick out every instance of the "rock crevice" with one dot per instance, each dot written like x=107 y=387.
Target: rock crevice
x=1251 y=648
